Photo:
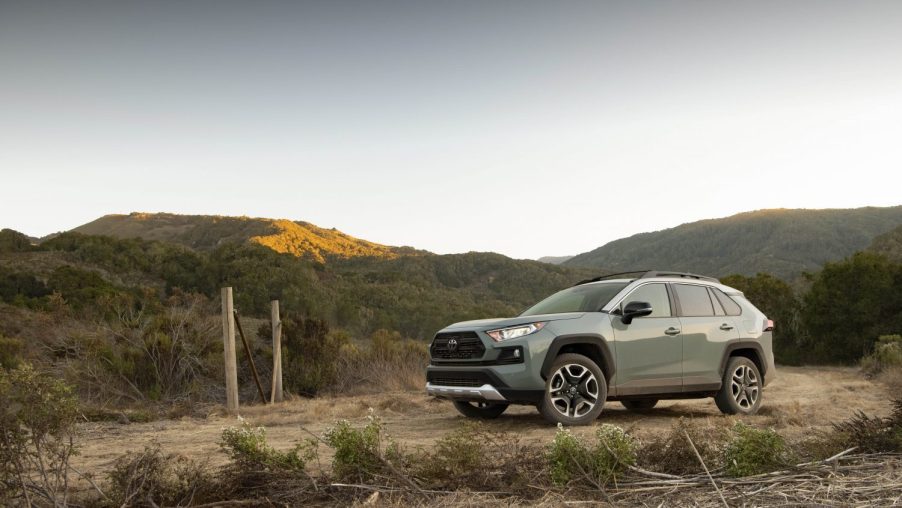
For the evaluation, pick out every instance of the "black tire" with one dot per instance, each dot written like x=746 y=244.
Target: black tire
x=741 y=390
x=639 y=404
x=483 y=410
x=572 y=381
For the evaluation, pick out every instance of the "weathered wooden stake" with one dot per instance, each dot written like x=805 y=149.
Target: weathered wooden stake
x=276 y=392
x=250 y=358
x=228 y=341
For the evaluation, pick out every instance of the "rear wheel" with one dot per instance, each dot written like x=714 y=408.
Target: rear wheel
x=574 y=392
x=740 y=392
x=639 y=404
x=484 y=410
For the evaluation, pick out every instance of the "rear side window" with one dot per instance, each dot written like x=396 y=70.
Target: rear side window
x=656 y=295
x=732 y=308
x=694 y=300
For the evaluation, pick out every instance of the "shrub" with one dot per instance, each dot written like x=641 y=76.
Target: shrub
x=571 y=459
x=873 y=434
x=673 y=454
x=887 y=354
x=361 y=454
x=151 y=478
x=247 y=448
x=10 y=351
x=37 y=428
x=311 y=354
x=754 y=451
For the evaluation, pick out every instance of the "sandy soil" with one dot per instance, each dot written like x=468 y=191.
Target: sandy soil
x=798 y=402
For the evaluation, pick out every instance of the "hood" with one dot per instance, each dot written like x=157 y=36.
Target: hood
x=495 y=323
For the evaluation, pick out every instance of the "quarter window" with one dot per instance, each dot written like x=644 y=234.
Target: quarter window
x=694 y=300
x=732 y=308
x=656 y=295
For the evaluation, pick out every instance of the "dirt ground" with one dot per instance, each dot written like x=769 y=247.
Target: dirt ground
x=801 y=400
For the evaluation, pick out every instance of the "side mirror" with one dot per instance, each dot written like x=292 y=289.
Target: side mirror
x=634 y=310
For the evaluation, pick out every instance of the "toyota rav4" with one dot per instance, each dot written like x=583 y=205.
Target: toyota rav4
x=636 y=340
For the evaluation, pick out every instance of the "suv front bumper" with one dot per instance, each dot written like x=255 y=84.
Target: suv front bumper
x=484 y=392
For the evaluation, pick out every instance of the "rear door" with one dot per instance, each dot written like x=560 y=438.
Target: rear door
x=650 y=349
x=706 y=331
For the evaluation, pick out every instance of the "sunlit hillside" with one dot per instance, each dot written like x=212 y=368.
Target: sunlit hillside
x=205 y=232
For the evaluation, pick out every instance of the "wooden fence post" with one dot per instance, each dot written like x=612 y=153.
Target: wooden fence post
x=228 y=341
x=276 y=392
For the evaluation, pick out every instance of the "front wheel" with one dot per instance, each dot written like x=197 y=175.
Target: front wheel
x=483 y=410
x=574 y=392
x=740 y=392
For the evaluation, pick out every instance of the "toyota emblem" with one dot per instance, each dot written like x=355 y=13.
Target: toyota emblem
x=452 y=345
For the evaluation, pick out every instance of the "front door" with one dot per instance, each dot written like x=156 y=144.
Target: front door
x=650 y=349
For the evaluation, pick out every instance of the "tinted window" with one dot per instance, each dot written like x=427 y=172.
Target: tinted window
x=655 y=294
x=585 y=298
x=718 y=309
x=694 y=300
x=732 y=308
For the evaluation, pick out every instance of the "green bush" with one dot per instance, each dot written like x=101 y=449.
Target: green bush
x=154 y=478
x=570 y=459
x=247 y=448
x=754 y=451
x=887 y=354
x=310 y=354
x=361 y=454
x=37 y=429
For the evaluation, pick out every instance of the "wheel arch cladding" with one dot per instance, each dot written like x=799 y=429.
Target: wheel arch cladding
x=750 y=350
x=592 y=346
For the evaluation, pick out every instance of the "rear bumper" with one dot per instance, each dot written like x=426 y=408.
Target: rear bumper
x=484 y=392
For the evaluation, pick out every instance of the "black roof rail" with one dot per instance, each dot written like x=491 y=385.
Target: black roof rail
x=650 y=274
x=608 y=276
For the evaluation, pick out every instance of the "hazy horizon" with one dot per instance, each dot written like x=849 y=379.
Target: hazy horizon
x=524 y=128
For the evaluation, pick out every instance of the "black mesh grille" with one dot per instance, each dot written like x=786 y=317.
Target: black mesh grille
x=457 y=346
x=448 y=381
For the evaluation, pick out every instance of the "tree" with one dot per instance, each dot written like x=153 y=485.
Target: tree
x=850 y=304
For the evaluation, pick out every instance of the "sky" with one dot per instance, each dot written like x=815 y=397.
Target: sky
x=525 y=128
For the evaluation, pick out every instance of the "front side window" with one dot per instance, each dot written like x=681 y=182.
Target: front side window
x=655 y=294
x=694 y=300
x=584 y=298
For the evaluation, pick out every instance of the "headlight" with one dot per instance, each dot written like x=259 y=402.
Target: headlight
x=514 y=332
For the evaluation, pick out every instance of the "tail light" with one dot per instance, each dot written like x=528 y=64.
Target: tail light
x=768 y=325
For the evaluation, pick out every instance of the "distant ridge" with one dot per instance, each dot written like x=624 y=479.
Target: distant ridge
x=783 y=242
x=205 y=232
x=554 y=260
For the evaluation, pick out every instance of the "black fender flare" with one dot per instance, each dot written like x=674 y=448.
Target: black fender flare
x=590 y=339
x=744 y=344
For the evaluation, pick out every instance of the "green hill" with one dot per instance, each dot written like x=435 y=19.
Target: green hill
x=782 y=242
x=205 y=232
x=889 y=244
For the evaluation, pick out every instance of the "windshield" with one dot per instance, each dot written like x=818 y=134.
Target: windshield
x=585 y=298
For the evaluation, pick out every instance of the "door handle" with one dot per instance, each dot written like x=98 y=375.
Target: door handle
x=725 y=327
x=672 y=331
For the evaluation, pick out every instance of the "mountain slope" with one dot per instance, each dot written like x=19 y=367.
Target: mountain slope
x=889 y=244
x=554 y=260
x=205 y=232
x=783 y=242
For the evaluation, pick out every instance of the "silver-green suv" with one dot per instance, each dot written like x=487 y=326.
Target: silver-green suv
x=660 y=335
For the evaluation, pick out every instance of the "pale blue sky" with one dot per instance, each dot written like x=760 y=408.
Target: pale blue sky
x=526 y=128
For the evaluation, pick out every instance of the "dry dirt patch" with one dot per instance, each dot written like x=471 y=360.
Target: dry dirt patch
x=800 y=401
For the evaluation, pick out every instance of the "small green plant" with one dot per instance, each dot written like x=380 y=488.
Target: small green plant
x=151 y=477
x=248 y=449
x=571 y=459
x=887 y=354
x=754 y=451
x=361 y=454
